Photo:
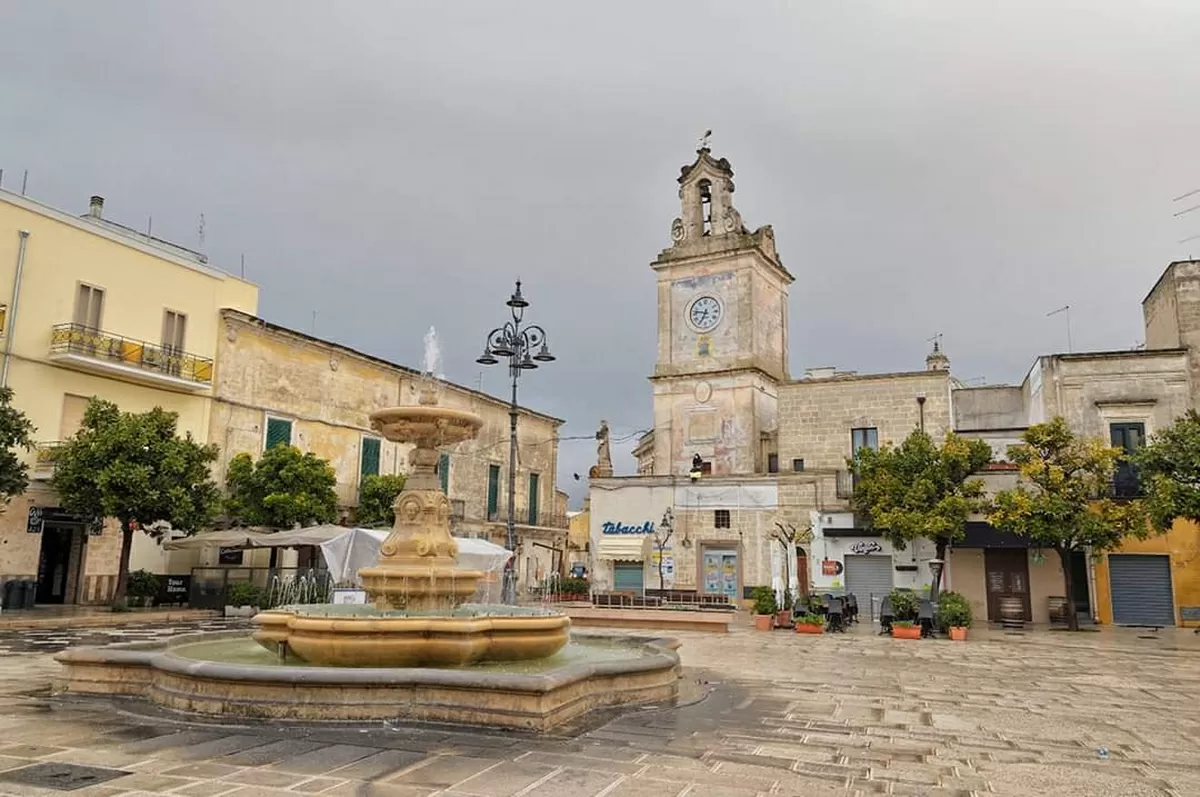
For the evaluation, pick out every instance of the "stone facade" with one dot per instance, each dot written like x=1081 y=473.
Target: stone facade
x=325 y=392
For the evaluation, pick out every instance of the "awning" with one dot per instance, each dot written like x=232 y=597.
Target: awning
x=227 y=538
x=623 y=547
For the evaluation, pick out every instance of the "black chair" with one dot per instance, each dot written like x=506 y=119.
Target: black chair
x=886 y=615
x=836 y=615
x=925 y=618
x=851 y=608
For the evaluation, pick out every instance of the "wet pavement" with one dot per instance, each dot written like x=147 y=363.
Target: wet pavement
x=1042 y=713
x=52 y=640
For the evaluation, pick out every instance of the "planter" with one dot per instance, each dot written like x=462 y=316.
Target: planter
x=764 y=622
x=958 y=633
x=802 y=628
x=241 y=611
x=912 y=632
x=783 y=618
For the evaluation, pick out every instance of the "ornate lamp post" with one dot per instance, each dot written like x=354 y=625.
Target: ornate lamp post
x=523 y=347
x=662 y=537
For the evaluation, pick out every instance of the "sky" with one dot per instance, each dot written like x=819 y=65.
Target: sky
x=954 y=168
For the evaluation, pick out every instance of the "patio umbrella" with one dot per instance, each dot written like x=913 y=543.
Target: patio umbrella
x=225 y=538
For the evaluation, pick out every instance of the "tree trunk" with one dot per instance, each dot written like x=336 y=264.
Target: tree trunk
x=1064 y=557
x=940 y=546
x=123 y=566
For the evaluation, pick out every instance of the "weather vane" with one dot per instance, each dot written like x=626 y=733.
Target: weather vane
x=704 y=140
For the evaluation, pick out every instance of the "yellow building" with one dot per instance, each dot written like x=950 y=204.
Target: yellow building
x=94 y=308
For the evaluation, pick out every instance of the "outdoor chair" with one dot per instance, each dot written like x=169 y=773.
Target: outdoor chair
x=925 y=618
x=886 y=615
x=851 y=608
x=836 y=610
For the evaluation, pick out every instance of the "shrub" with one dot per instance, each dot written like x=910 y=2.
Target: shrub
x=764 y=600
x=810 y=619
x=141 y=584
x=244 y=594
x=954 y=611
x=905 y=604
x=571 y=586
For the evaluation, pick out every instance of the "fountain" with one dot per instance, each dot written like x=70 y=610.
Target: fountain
x=419 y=651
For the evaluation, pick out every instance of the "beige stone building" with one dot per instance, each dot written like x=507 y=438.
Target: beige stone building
x=278 y=386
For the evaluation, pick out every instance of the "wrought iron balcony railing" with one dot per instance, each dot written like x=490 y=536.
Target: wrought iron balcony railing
x=45 y=458
x=1125 y=484
x=95 y=344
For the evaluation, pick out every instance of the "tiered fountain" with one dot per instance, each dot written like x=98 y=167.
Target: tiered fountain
x=420 y=652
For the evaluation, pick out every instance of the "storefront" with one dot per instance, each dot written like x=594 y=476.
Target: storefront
x=991 y=568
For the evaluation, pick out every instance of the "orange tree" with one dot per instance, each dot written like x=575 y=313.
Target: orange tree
x=1062 y=498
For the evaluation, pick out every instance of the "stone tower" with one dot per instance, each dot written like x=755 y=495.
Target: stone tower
x=722 y=329
x=937 y=360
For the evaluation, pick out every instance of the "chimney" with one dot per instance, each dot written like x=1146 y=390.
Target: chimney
x=96 y=207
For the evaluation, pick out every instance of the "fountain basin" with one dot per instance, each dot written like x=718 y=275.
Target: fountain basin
x=228 y=674
x=363 y=636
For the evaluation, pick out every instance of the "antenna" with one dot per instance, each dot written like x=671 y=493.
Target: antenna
x=1 y=178
x=24 y=182
x=479 y=382
x=243 y=265
x=1181 y=197
x=200 y=232
x=149 y=225
x=936 y=340
x=1066 y=308
x=314 y=324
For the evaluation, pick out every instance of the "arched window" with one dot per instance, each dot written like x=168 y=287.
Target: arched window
x=705 y=187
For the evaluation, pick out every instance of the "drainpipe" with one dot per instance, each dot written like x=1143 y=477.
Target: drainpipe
x=12 y=307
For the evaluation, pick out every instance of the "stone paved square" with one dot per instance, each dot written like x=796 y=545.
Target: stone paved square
x=766 y=714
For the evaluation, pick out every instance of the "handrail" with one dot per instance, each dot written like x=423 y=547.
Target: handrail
x=101 y=345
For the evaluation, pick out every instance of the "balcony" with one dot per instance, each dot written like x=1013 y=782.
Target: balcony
x=104 y=353
x=1125 y=484
x=45 y=459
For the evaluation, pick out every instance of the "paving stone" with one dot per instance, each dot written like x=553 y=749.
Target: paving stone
x=324 y=759
x=443 y=772
x=505 y=780
x=380 y=766
x=573 y=783
x=270 y=753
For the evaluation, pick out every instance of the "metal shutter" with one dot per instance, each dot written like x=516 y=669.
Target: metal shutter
x=627 y=576
x=370 y=457
x=279 y=433
x=1140 y=586
x=869 y=578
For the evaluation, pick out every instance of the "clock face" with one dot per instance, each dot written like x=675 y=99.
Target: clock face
x=705 y=313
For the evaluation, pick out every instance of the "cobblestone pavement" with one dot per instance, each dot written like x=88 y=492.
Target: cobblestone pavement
x=52 y=640
x=784 y=714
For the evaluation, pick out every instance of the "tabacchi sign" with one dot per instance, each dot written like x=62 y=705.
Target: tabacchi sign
x=620 y=528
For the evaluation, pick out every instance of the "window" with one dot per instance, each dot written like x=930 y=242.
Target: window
x=772 y=463
x=706 y=205
x=533 y=499
x=864 y=438
x=89 y=306
x=797 y=465
x=493 y=492
x=369 y=461
x=279 y=433
x=443 y=472
x=1128 y=437
x=173 y=332
x=721 y=519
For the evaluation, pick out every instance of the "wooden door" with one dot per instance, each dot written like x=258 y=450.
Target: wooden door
x=1007 y=576
x=802 y=572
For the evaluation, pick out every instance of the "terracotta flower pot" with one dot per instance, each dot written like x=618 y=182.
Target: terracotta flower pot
x=911 y=632
x=802 y=628
x=764 y=622
x=958 y=633
x=783 y=618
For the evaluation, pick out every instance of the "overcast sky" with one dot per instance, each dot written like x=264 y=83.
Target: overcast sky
x=953 y=167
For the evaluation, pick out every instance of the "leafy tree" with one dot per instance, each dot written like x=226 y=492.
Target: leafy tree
x=920 y=489
x=1061 y=500
x=1169 y=470
x=15 y=432
x=376 y=499
x=135 y=468
x=285 y=488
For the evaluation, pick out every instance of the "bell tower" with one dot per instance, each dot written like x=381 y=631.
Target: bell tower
x=722 y=329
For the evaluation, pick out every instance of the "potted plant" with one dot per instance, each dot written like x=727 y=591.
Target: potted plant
x=783 y=618
x=954 y=615
x=905 y=629
x=243 y=600
x=905 y=604
x=764 y=608
x=809 y=623
x=141 y=587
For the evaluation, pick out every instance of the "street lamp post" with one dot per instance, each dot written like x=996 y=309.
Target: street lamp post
x=523 y=347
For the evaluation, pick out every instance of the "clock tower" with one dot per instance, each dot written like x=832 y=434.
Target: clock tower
x=722 y=330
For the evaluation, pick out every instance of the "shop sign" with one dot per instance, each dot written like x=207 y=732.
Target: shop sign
x=865 y=547
x=831 y=567
x=610 y=527
x=173 y=589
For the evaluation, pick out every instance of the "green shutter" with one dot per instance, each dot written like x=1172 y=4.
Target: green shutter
x=493 y=493
x=370 y=457
x=444 y=472
x=533 y=499
x=279 y=433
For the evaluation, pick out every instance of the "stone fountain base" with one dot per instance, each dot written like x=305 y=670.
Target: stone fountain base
x=167 y=676
x=380 y=640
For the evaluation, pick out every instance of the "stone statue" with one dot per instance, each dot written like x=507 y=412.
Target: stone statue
x=603 y=451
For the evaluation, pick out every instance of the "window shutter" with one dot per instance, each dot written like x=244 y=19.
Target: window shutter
x=533 y=499
x=370 y=457
x=444 y=472
x=279 y=433
x=493 y=492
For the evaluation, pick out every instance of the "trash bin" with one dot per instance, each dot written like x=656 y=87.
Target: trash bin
x=30 y=593
x=10 y=598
